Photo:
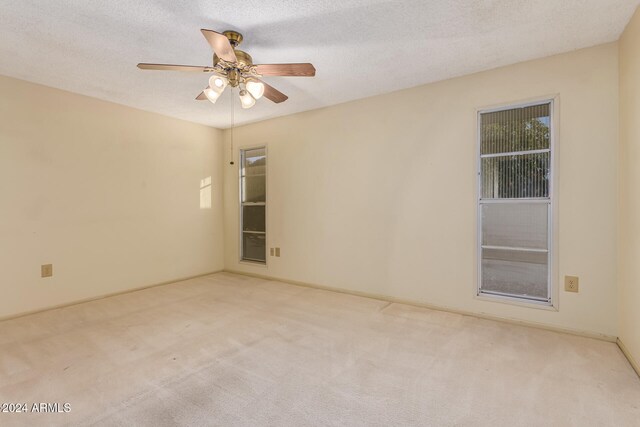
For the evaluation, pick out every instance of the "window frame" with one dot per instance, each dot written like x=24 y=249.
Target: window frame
x=241 y=204
x=552 y=288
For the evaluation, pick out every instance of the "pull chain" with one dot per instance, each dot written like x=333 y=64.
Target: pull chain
x=232 y=124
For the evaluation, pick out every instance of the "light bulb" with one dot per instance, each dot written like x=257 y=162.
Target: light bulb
x=211 y=95
x=255 y=88
x=217 y=83
x=246 y=100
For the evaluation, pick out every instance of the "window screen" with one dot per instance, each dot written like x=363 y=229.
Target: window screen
x=253 y=204
x=514 y=203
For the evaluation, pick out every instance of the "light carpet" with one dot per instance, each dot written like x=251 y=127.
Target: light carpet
x=233 y=350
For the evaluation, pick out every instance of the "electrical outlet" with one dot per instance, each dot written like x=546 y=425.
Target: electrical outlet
x=277 y=252
x=571 y=284
x=46 y=270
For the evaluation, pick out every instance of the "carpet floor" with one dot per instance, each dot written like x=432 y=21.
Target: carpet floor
x=232 y=350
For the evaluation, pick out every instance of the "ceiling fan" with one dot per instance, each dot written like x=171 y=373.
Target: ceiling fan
x=235 y=67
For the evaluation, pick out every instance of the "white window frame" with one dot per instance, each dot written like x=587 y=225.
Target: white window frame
x=241 y=154
x=552 y=289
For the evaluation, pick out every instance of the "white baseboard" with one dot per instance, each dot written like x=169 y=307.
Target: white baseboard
x=388 y=298
x=111 y=294
x=634 y=364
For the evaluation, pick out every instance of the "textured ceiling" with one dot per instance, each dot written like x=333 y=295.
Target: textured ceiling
x=360 y=48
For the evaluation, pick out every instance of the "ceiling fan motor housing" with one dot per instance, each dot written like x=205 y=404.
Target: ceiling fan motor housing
x=235 y=39
x=244 y=59
x=234 y=73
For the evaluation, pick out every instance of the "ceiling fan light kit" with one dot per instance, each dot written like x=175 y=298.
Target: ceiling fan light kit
x=211 y=95
x=255 y=88
x=246 y=100
x=218 y=82
x=234 y=67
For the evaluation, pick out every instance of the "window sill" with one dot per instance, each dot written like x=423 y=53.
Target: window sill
x=253 y=263
x=517 y=302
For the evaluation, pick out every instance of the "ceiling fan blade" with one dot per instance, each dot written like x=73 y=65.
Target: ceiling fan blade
x=273 y=94
x=171 y=67
x=220 y=45
x=201 y=97
x=300 y=70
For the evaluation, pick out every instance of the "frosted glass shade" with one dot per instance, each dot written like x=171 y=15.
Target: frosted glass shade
x=217 y=83
x=255 y=88
x=246 y=99
x=211 y=95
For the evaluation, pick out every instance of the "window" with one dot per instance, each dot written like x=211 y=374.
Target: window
x=515 y=203
x=253 y=204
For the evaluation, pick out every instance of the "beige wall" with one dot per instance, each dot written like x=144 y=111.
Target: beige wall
x=379 y=195
x=110 y=195
x=630 y=188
